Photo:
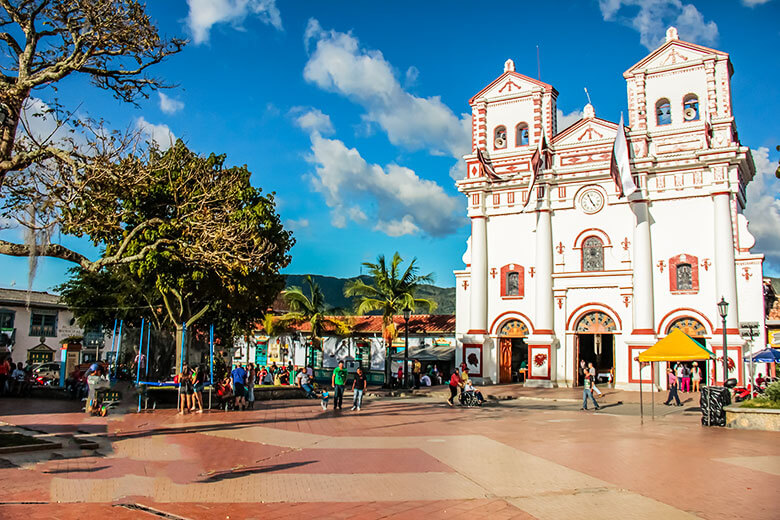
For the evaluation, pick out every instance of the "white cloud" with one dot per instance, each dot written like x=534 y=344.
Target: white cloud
x=42 y=123
x=296 y=225
x=339 y=64
x=160 y=134
x=393 y=196
x=396 y=227
x=566 y=120
x=312 y=120
x=412 y=73
x=204 y=14
x=651 y=18
x=763 y=208
x=170 y=105
x=753 y=3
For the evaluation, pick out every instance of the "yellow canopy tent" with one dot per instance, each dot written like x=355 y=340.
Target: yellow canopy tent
x=676 y=346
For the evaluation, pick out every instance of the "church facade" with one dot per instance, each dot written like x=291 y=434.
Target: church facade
x=570 y=271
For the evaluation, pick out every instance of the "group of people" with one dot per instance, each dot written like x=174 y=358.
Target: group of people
x=680 y=377
x=428 y=377
x=14 y=379
x=191 y=382
x=339 y=380
x=589 y=388
x=460 y=381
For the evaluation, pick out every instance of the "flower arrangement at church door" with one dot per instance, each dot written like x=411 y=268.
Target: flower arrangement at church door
x=540 y=359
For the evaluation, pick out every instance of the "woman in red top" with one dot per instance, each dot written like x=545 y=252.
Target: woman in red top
x=454 y=384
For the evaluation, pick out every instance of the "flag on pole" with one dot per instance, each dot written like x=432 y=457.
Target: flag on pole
x=539 y=161
x=620 y=166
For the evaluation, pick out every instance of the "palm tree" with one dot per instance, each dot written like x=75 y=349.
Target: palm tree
x=392 y=291
x=311 y=308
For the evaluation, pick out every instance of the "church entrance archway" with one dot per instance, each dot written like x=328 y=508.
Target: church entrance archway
x=595 y=343
x=512 y=350
x=695 y=329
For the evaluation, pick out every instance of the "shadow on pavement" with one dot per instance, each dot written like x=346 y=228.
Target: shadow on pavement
x=230 y=474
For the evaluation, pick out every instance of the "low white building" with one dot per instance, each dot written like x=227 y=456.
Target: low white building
x=580 y=274
x=34 y=325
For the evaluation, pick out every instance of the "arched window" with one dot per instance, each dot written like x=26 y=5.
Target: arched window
x=592 y=254
x=663 y=112
x=684 y=277
x=691 y=108
x=521 y=135
x=499 y=137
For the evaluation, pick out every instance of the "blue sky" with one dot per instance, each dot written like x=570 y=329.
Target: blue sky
x=355 y=113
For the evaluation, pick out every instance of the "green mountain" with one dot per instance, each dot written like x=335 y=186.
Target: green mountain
x=333 y=289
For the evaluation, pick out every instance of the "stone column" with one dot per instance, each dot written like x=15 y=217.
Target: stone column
x=725 y=270
x=478 y=304
x=644 y=307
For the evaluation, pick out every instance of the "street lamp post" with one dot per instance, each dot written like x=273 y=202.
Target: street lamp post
x=723 y=310
x=407 y=313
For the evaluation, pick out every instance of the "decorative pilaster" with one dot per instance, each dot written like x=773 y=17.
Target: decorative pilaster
x=479 y=273
x=725 y=272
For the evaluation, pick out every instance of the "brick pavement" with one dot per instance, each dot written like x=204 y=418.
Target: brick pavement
x=398 y=458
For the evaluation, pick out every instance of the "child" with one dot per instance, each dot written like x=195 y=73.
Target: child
x=325 y=396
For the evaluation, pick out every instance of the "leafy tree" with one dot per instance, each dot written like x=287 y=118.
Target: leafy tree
x=190 y=229
x=113 y=42
x=311 y=309
x=393 y=290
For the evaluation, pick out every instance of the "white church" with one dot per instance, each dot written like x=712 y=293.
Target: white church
x=578 y=273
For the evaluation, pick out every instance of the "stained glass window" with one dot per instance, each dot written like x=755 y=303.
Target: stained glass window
x=592 y=254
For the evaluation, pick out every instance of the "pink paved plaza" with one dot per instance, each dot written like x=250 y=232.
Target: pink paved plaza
x=397 y=458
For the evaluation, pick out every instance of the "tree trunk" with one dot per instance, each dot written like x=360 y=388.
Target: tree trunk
x=177 y=346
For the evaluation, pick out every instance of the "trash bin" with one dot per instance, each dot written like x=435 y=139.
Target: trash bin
x=713 y=401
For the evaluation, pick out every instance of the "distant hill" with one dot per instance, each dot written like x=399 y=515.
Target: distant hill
x=333 y=289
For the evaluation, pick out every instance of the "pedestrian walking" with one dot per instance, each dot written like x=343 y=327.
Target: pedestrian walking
x=454 y=384
x=251 y=376
x=587 y=385
x=673 y=385
x=679 y=372
x=685 y=385
x=198 y=381
x=185 y=389
x=416 y=371
x=359 y=385
x=239 y=389
x=339 y=382
x=592 y=374
x=325 y=395
x=696 y=376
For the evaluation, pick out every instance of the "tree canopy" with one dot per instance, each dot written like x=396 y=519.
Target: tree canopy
x=188 y=228
x=113 y=42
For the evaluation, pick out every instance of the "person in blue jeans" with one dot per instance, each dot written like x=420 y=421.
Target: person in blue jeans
x=358 y=387
x=587 y=386
x=339 y=382
x=302 y=380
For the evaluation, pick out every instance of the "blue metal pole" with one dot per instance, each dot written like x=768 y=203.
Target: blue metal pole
x=148 y=340
x=138 y=364
x=113 y=335
x=211 y=353
x=140 y=353
x=183 y=336
x=118 y=345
